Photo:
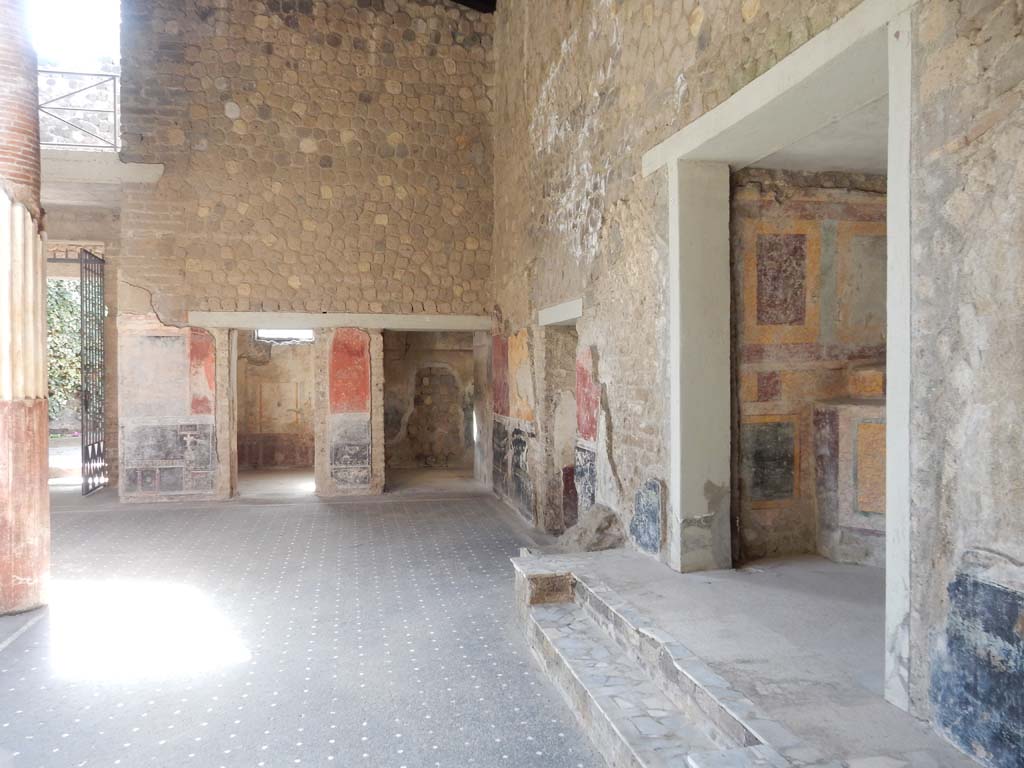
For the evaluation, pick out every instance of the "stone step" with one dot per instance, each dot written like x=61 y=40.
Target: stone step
x=644 y=698
x=630 y=720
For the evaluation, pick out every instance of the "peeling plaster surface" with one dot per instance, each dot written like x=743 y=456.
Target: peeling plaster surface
x=967 y=389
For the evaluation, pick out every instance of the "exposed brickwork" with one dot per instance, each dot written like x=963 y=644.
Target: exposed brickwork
x=332 y=156
x=19 y=122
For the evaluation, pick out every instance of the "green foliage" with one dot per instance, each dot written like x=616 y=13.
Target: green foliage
x=64 y=342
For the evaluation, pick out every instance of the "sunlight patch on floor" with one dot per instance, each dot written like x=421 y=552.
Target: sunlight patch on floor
x=123 y=630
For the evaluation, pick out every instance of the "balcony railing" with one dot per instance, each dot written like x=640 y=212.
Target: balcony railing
x=79 y=110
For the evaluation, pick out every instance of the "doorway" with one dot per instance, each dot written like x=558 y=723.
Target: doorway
x=429 y=418
x=76 y=366
x=846 y=83
x=275 y=413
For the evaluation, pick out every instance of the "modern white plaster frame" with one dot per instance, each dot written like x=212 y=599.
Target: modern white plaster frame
x=835 y=73
x=566 y=313
x=249 y=321
x=699 y=373
x=898 y=369
x=878 y=28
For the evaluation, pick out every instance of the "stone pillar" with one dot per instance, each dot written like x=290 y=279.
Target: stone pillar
x=24 y=499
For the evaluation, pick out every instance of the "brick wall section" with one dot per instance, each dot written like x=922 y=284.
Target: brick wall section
x=331 y=157
x=19 y=122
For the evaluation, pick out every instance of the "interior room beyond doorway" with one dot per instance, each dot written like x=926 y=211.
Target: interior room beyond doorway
x=275 y=397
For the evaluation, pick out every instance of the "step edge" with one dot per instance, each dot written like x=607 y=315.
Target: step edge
x=613 y=753
x=729 y=710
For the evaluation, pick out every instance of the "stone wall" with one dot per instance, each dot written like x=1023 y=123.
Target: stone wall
x=582 y=90
x=808 y=277
x=275 y=403
x=319 y=156
x=584 y=87
x=429 y=392
x=967 y=536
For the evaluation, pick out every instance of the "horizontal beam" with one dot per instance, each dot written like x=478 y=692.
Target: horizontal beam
x=94 y=167
x=251 y=321
x=566 y=313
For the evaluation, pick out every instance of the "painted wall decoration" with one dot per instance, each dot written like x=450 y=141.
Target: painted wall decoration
x=520 y=377
x=588 y=396
x=977 y=670
x=647 y=523
x=849 y=450
x=809 y=285
x=167 y=398
x=870 y=469
x=202 y=381
x=275 y=403
x=585 y=476
x=520 y=490
x=350 y=371
x=769 y=459
x=570 y=497
x=499 y=374
x=349 y=420
x=500 y=452
x=781 y=281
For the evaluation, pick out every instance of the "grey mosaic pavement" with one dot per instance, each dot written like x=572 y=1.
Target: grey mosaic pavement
x=371 y=633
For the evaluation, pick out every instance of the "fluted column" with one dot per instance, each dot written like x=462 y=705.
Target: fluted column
x=24 y=498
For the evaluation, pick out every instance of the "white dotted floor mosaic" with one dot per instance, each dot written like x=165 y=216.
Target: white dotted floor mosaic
x=374 y=633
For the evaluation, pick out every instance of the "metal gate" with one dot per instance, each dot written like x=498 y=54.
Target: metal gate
x=94 y=461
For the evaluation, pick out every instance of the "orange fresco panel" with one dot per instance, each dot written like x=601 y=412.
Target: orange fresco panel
x=350 y=371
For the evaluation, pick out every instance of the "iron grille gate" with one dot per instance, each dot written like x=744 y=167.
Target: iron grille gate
x=94 y=461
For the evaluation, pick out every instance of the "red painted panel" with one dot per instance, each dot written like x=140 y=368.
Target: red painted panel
x=24 y=505
x=499 y=372
x=202 y=370
x=350 y=371
x=588 y=397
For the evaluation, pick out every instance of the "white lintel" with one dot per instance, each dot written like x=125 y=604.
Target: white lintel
x=837 y=71
x=251 y=321
x=566 y=313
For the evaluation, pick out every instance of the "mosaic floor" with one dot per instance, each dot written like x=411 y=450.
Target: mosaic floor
x=376 y=633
